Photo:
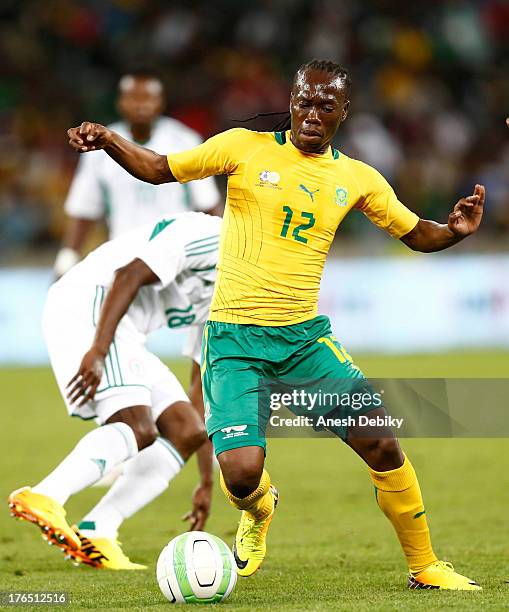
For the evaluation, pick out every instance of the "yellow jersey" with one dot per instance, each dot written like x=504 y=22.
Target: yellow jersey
x=282 y=211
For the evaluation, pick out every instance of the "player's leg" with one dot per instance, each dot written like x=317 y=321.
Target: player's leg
x=241 y=470
x=399 y=497
x=149 y=473
x=124 y=433
x=97 y=452
x=230 y=372
x=324 y=360
x=332 y=367
x=182 y=427
x=397 y=491
x=68 y=324
x=248 y=488
x=98 y=549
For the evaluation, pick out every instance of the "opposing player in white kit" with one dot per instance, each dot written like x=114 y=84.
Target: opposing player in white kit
x=101 y=189
x=95 y=322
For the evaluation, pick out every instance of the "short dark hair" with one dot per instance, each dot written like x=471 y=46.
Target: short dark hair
x=329 y=66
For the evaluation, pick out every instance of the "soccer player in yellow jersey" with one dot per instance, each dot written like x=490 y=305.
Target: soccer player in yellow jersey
x=288 y=191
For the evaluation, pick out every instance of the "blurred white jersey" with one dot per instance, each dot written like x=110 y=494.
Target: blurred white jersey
x=102 y=188
x=182 y=251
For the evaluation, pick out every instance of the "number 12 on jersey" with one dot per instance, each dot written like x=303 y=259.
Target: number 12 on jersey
x=299 y=228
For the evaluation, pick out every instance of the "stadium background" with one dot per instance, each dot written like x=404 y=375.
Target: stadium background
x=429 y=103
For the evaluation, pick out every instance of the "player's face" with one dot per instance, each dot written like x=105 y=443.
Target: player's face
x=140 y=100
x=318 y=105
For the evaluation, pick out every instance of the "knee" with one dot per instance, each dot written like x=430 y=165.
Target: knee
x=145 y=433
x=193 y=439
x=384 y=454
x=242 y=477
x=183 y=427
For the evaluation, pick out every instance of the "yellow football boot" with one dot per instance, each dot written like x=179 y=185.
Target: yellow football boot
x=102 y=553
x=250 y=542
x=441 y=575
x=47 y=514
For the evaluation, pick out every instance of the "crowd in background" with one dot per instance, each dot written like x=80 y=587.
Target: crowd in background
x=429 y=101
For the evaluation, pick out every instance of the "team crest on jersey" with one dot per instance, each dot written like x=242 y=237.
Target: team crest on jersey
x=269 y=179
x=341 y=197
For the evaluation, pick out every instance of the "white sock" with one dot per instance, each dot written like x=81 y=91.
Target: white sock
x=144 y=478
x=95 y=454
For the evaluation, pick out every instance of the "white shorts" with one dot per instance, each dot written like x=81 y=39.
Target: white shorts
x=132 y=375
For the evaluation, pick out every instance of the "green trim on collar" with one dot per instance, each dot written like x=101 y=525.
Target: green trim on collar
x=280 y=137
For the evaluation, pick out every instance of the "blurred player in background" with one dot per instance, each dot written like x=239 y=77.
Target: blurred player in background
x=99 y=313
x=100 y=189
x=288 y=191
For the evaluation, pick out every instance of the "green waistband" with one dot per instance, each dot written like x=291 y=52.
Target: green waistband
x=319 y=320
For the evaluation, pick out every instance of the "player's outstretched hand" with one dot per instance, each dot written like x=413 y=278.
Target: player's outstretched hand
x=467 y=213
x=197 y=517
x=89 y=137
x=83 y=385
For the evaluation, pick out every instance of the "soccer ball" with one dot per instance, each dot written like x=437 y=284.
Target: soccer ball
x=196 y=567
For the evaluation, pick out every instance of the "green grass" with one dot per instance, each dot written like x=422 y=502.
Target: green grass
x=330 y=548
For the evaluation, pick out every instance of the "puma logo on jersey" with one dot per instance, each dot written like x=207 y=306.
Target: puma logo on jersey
x=311 y=194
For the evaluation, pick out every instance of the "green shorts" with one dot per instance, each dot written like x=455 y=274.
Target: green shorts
x=242 y=363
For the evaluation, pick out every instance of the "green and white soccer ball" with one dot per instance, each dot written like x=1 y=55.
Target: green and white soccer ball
x=196 y=567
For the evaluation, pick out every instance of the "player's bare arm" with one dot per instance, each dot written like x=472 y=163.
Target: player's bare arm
x=464 y=220
x=202 y=494
x=128 y=280
x=142 y=163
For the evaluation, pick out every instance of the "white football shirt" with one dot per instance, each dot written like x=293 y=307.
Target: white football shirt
x=102 y=188
x=181 y=250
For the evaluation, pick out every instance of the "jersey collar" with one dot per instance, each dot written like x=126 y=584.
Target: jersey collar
x=283 y=137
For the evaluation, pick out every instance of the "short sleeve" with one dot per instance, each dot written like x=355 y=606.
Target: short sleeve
x=192 y=345
x=381 y=205
x=164 y=255
x=217 y=155
x=85 y=198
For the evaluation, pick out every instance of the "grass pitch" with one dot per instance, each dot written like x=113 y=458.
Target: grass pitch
x=330 y=547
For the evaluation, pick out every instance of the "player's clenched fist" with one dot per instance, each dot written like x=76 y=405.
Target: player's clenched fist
x=89 y=137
